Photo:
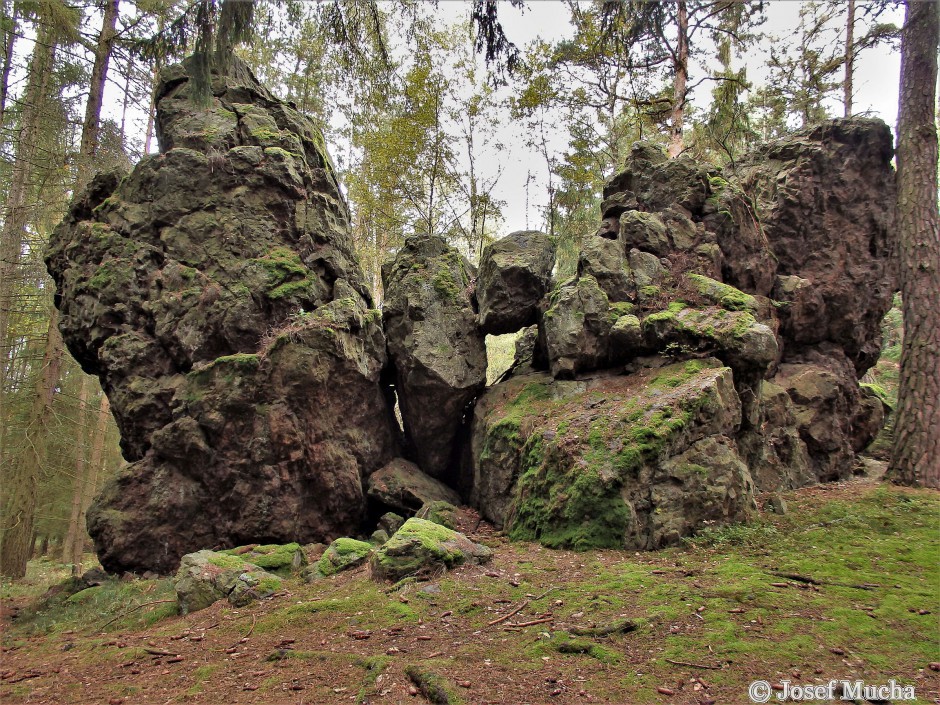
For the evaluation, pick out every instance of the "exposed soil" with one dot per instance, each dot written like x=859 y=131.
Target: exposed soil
x=492 y=633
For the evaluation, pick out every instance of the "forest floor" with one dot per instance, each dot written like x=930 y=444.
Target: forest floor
x=846 y=585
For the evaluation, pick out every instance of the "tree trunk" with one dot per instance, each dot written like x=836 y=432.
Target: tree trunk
x=75 y=530
x=91 y=481
x=16 y=211
x=21 y=504
x=9 y=39
x=680 y=80
x=915 y=459
x=849 y=58
x=99 y=75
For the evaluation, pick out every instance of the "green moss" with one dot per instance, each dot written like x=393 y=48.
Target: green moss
x=568 y=494
x=343 y=554
x=445 y=285
x=280 y=152
x=650 y=291
x=265 y=134
x=878 y=391
x=721 y=294
x=668 y=314
x=226 y=561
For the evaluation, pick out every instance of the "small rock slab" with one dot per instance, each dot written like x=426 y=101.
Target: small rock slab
x=204 y=577
x=421 y=547
x=402 y=486
x=281 y=559
x=342 y=554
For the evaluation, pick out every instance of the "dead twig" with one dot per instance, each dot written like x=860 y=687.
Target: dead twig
x=693 y=665
x=543 y=620
x=159 y=652
x=510 y=614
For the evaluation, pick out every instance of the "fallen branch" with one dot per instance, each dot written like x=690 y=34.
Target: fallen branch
x=510 y=614
x=813 y=581
x=134 y=609
x=543 y=620
x=693 y=665
x=159 y=652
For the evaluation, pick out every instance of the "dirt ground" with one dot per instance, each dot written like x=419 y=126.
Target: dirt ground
x=483 y=630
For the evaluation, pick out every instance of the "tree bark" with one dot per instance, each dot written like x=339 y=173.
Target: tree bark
x=99 y=75
x=21 y=504
x=9 y=39
x=915 y=459
x=849 y=58
x=680 y=80
x=74 y=529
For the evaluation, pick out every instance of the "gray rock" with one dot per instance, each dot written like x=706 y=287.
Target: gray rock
x=436 y=346
x=577 y=327
x=216 y=293
x=622 y=450
x=204 y=577
x=402 y=486
x=515 y=272
x=422 y=547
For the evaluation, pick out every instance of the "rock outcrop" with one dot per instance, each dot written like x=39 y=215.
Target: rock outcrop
x=515 y=273
x=619 y=444
x=215 y=292
x=707 y=345
x=436 y=346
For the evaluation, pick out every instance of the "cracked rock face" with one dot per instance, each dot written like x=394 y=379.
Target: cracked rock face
x=436 y=346
x=215 y=292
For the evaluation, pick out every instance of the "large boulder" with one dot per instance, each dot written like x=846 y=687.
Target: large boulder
x=834 y=418
x=436 y=346
x=401 y=486
x=825 y=197
x=421 y=547
x=215 y=292
x=611 y=461
x=515 y=272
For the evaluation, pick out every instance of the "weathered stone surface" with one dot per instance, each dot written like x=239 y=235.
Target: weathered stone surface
x=402 y=486
x=832 y=416
x=577 y=327
x=342 y=554
x=422 y=547
x=826 y=201
x=280 y=559
x=436 y=346
x=515 y=272
x=215 y=292
x=594 y=463
x=204 y=577
x=443 y=513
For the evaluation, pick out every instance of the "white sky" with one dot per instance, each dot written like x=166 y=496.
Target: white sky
x=876 y=90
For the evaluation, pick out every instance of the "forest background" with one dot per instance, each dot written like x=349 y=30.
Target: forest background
x=426 y=134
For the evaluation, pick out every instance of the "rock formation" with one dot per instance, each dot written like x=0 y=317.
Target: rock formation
x=215 y=292
x=436 y=346
x=708 y=345
x=623 y=443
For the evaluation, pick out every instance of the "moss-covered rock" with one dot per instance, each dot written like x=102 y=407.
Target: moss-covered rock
x=514 y=275
x=443 y=513
x=421 y=547
x=205 y=577
x=342 y=554
x=435 y=344
x=572 y=464
x=577 y=327
x=280 y=559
